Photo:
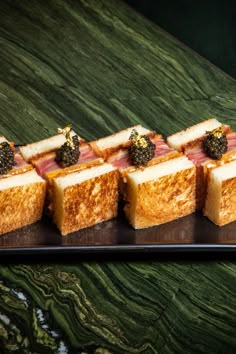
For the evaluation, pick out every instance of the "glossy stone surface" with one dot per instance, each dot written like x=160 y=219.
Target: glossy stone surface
x=102 y=67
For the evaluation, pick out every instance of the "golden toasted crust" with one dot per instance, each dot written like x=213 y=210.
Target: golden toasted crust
x=203 y=172
x=123 y=173
x=221 y=201
x=162 y=200
x=201 y=184
x=86 y=204
x=21 y=206
x=62 y=172
x=227 y=212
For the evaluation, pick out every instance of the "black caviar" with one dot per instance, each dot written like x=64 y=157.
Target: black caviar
x=68 y=153
x=215 y=144
x=141 y=150
x=6 y=158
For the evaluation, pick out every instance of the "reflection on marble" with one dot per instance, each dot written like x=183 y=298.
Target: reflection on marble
x=102 y=67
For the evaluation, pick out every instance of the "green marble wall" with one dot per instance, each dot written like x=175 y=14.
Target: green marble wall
x=96 y=62
x=123 y=307
x=103 y=67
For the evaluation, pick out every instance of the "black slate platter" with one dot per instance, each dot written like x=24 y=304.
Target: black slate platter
x=193 y=233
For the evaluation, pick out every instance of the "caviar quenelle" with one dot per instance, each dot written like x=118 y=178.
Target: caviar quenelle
x=141 y=150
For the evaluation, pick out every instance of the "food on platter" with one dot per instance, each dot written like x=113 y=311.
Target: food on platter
x=85 y=198
x=220 y=205
x=161 y=192
x=22 y=191
x=208 y=144
x=80 y=184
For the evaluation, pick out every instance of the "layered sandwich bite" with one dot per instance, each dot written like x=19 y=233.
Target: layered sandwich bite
x=22 y=190
x=82 y=190
x=79 y=184
x=208 y=144
x=133 y=148
x=140 y=160
x=59 y=155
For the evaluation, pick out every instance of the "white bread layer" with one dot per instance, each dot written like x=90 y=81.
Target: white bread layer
x=162 y=169
x=225 y=172
x=119 y=138
x=82 y=176
x=192 y=133
x=43 y=146
x=20 y=180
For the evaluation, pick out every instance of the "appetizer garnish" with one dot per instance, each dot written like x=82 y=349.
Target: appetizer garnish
x=6 y=158
x=68 y=153
x=141 y=150
x=215 y=143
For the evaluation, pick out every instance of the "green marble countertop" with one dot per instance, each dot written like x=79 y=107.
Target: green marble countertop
x=102 y=67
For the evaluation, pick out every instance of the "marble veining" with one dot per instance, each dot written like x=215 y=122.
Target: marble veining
x=103 y=67
x=124 y=307
x=89 y=61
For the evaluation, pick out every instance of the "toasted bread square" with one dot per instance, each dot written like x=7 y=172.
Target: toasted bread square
x=161 y=193
x=220 y=205
x=85 y=198
x=48 y=168
x=21 y=200
x=205 y=163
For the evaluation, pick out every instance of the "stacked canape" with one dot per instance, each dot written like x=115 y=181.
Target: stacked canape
x=22 y=190
x=211 y=145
